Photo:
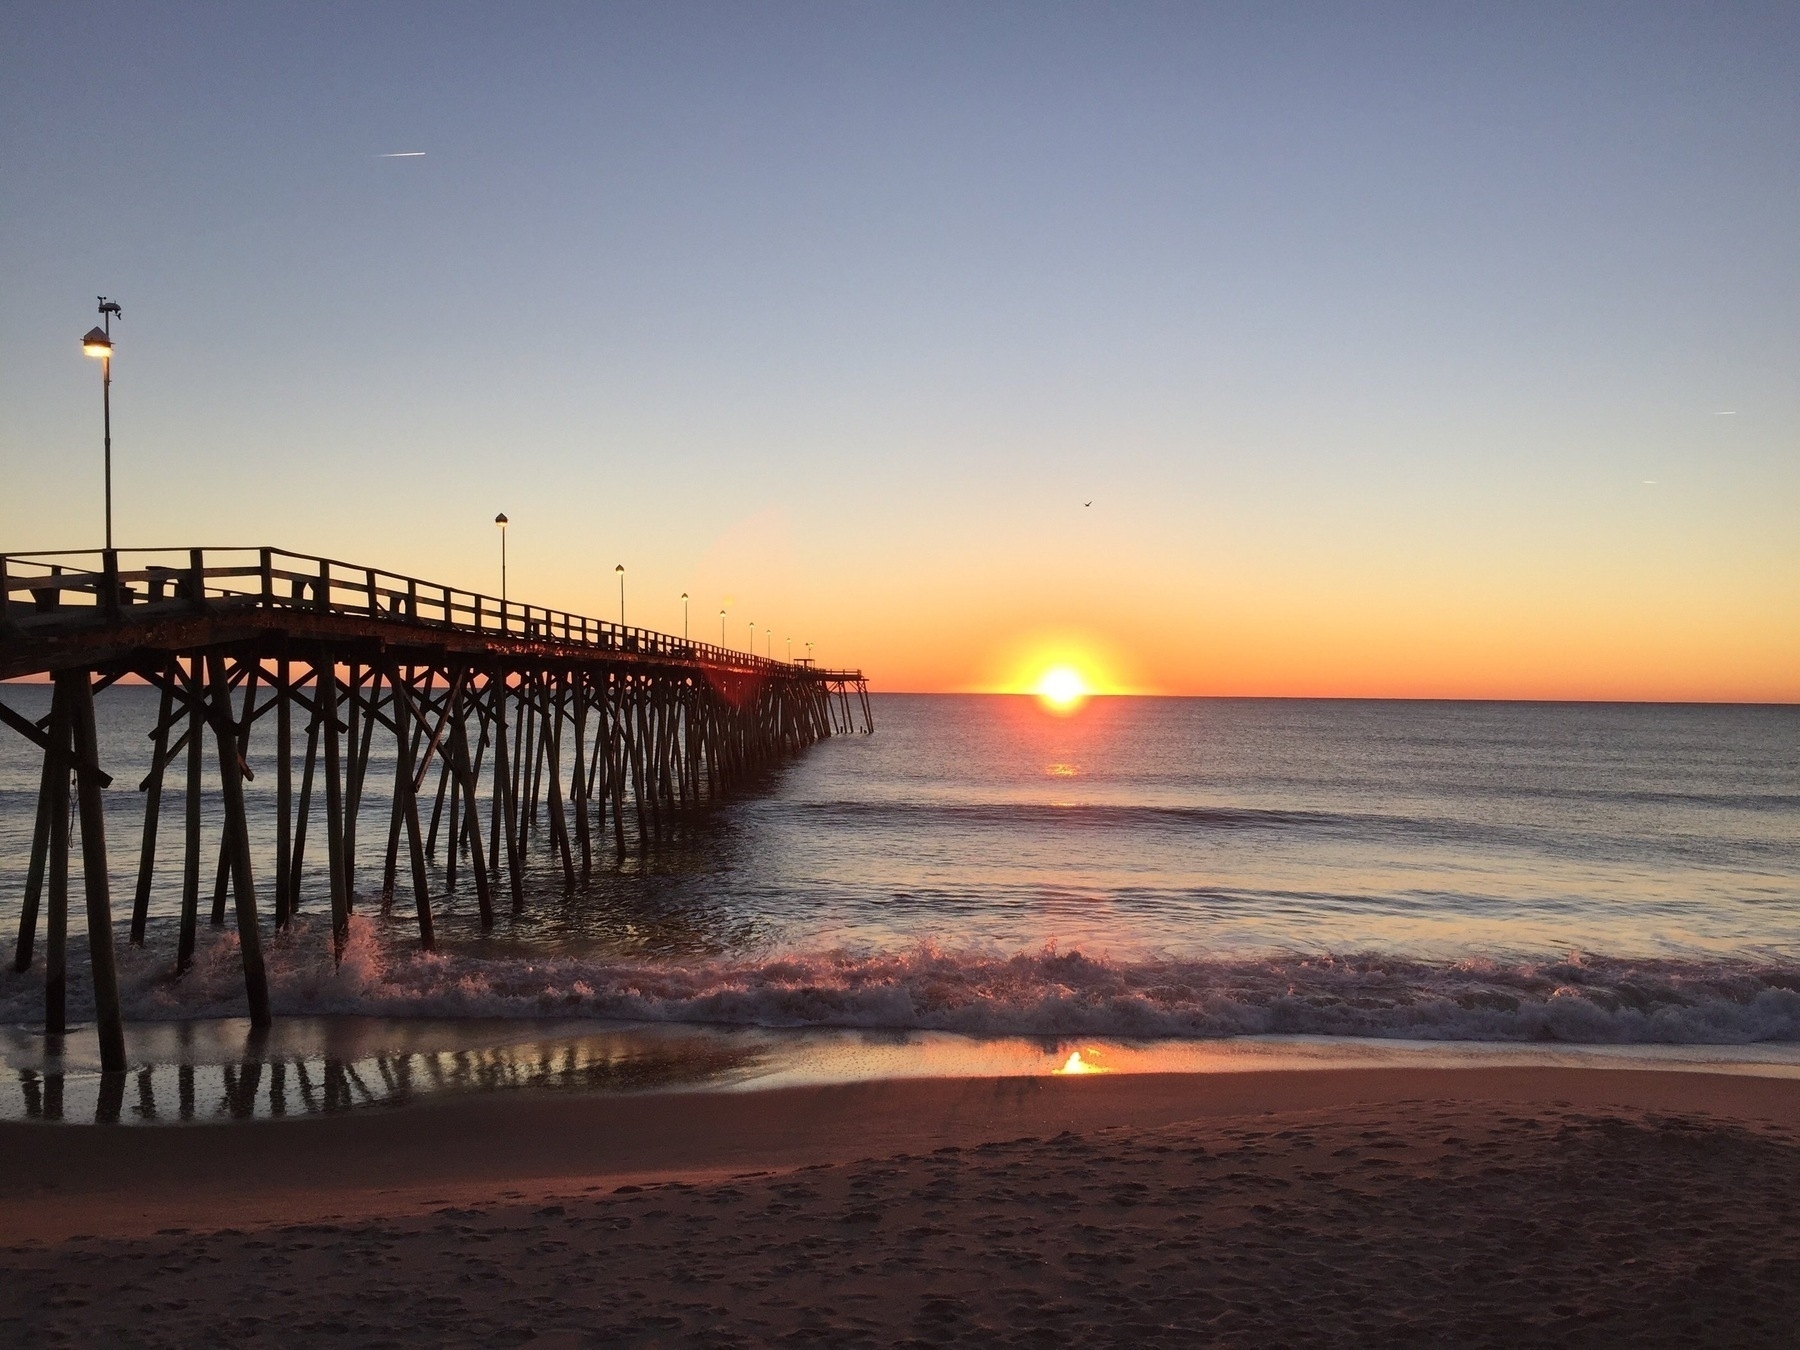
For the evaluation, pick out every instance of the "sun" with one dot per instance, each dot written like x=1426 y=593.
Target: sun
x=1062 y=689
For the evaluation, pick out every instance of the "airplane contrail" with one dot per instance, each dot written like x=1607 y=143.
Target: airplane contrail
x=1732 y=413
x=403 y=154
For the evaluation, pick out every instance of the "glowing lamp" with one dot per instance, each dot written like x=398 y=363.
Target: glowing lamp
x=96 y=343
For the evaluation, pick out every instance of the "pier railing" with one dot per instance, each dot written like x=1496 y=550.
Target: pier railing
x=41 y=593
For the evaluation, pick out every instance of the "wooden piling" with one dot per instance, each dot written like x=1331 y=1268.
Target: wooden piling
x=237 y=828
x=109 y=1025
x=40 y=853
x=140 y=905
x=406 y=802
x=504 y=817
x=326 y=695
x=56 y=920
x=559 y=826
x=465 y=775
x=578 y=791
x=353 y=747
x=190 y=863
x=406 y=753
x=284 y=793
x=297 y=868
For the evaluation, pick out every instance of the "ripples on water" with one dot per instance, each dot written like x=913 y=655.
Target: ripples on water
x=1154 y=867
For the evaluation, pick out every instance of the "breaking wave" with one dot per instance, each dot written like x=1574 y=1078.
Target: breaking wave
x=1577 y=999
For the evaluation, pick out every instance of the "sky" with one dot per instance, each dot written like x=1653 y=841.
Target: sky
x=1370 y=349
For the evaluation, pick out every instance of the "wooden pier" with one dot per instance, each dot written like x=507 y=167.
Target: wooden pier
x=587 y=736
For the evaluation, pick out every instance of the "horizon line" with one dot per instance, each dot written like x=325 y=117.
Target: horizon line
x=44 y=681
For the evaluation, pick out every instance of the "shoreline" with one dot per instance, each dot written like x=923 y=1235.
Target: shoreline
x=64 y=1180
x=201 y=1071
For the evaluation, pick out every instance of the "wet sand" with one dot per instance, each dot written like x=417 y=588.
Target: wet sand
x=1488 y=1206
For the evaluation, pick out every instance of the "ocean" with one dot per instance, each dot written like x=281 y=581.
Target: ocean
x=1144 y=868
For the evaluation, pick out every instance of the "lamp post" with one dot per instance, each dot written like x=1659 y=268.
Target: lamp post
x=684 y=616
x=809 y=653
x=721 y=628
x=500 y=520
x=98 y=343
x=752 y=647
x=620 y=569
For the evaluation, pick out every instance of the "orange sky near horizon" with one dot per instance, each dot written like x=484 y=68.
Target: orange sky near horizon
x=1345 y=658
x=1640 y=618
x=1642 y=623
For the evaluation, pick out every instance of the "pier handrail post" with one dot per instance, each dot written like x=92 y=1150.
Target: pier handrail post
x=412 y=600
x=374 y=597
x=197 y=578
x=268 y=578
x=6 y=622
x=109 y=582
x=322 y=600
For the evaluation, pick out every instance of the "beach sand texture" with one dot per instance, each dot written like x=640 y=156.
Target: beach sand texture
x=1504 y=1207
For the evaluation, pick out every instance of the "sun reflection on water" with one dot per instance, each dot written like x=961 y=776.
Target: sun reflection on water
x=1076 y=1064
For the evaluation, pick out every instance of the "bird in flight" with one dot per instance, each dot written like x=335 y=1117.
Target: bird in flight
x=403 y=154
x=1087 y=503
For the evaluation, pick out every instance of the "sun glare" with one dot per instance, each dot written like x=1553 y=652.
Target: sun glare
x=1076 y=1064
x=1062 y=689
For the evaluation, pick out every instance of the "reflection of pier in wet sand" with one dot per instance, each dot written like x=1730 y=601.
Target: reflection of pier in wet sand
x=225 y=1070
x=197 y=1075
x=510 y=724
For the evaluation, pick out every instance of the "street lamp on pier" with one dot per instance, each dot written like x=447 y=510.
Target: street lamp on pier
x=98 y=343
x=684 y=616
x=500 y=520
x=721 y=628
x=620 y=569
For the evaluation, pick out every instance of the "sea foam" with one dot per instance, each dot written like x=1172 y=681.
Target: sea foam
x=1047 y=992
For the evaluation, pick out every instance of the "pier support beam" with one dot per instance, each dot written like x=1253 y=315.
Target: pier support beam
x=56 y=922
x=102 y=962
x=237 y=831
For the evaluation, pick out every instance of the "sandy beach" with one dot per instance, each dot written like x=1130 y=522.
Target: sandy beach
x=1478 y=1207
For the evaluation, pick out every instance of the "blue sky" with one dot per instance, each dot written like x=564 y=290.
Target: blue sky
x=1390 y=342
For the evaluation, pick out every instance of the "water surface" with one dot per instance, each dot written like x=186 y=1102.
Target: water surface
x=1187 y=868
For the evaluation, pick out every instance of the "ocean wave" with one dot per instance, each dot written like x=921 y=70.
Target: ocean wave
x=1578 y=999
x=1107 y=815
x=1565 y=839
